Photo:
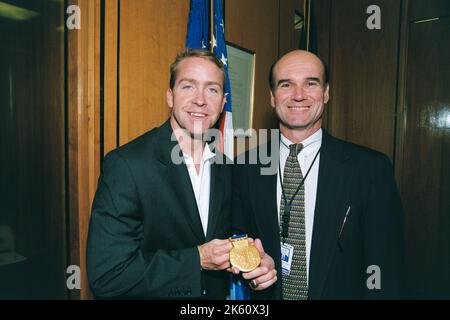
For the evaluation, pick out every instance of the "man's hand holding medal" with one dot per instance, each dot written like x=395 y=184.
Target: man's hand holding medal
x=248 y=256
x=240 y=254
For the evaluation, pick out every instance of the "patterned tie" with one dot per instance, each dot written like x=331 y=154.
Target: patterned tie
x=295 y=285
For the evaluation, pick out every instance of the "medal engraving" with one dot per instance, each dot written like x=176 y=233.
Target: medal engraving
x=243 y=256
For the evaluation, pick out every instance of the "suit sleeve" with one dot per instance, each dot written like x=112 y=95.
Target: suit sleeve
x=116 y=265
x=383 y=225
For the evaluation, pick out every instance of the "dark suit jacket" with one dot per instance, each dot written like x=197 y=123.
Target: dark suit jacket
x=349 y=175
x=145 y=226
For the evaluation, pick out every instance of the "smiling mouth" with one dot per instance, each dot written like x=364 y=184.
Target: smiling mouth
x=196 y=115
x=298 y=108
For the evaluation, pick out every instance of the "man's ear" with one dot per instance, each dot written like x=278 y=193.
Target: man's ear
x=224 y=100
x=169 y=98
x=272 y=99
x=326 y=94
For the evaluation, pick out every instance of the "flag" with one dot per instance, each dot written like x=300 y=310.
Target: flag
x=198 y=34
x=198 y=37
x=220 y=49
x=237 y=289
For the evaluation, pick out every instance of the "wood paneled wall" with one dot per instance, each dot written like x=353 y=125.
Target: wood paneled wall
x=269 y=32
x=141 y=40
x=389 y=91
x=83 y=118
x=32 y=153
x=288 y=37
x=110 y=88
x=363 y=74
x=256 y=30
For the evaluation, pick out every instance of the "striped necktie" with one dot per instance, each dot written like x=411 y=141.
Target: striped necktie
x=295 y=285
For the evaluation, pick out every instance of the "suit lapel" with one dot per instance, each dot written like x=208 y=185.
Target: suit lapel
x=265 y=210
x=264 y=205
x=215 y=199
x=178 y=178
x=332 y=195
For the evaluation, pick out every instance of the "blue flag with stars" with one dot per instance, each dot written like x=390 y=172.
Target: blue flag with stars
x=198 y=37
x=237 y=289
x=220 y=49
x=219 y=46
x=198 y=32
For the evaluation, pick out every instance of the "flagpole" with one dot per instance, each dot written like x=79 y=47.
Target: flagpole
x=308 y=28
x=211 y=22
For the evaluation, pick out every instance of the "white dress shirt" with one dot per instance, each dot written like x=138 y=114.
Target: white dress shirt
x=201 y=182
x=311 y=146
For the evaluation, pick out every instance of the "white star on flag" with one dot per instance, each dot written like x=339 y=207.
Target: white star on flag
x=214 y=42
x=223 y=27
x=224 y=60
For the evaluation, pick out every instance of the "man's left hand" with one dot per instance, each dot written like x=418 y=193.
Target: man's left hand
x=263 y=276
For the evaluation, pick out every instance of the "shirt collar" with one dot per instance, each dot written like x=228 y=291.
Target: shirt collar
x=309 y=143
x=207 y=154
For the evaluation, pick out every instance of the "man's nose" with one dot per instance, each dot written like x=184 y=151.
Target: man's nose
x=299 y=93
x=200 y=98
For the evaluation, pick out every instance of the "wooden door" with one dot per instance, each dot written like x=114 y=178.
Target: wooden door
x=423 y=153
x=32 y=151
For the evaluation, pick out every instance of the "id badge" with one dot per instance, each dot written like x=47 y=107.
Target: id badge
x=287 y=252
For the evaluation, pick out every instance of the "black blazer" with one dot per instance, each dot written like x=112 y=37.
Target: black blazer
x=349 y=175
x=145 y=226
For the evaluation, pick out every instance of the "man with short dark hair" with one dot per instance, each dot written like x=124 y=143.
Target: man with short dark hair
x=331 y=216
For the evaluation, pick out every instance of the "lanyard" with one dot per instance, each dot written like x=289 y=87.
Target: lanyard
x=287 y=206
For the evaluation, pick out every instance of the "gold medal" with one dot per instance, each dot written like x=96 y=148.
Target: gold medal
x=243 y=256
